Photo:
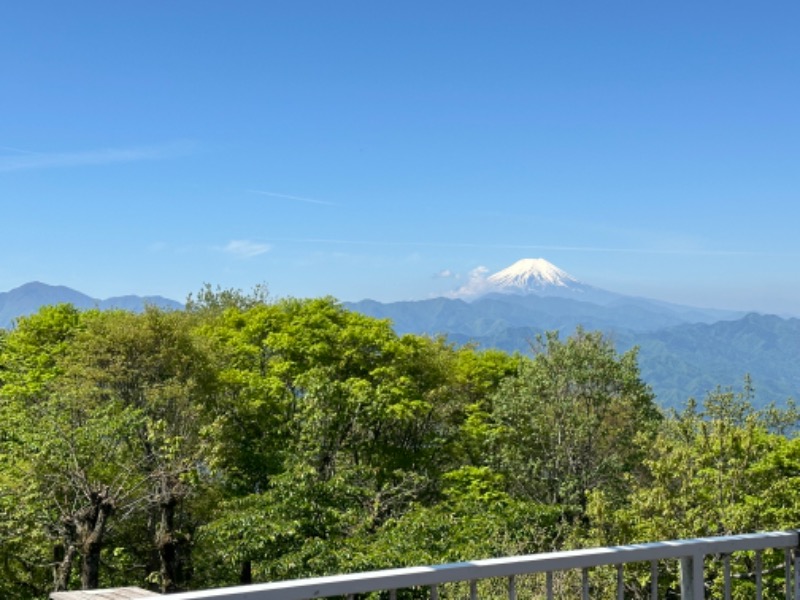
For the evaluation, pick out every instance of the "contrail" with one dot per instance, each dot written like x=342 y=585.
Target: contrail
x=289 y=197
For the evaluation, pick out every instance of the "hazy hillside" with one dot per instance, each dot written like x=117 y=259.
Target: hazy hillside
x=678 y=361
x=28 y=298
x=694 y=358
x=494 y=313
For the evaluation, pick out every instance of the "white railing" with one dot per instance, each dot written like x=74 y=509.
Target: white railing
x=690 y=555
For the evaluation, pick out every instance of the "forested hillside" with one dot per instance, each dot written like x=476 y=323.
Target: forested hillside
x=682 y=351
x=242 y=439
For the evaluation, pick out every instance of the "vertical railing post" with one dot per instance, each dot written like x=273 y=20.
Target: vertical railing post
x=796 y=574
x=654 y=580
x=692 y=584
x=726 y=576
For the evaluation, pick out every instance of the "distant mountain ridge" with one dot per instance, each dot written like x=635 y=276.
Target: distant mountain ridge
x=535 y=293
x=30 y=297
x=684 y=351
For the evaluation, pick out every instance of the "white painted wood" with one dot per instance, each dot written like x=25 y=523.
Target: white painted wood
x=126 y=593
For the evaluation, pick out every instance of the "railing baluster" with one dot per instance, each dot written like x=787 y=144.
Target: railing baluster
x=392 y=594
x=726 y=569
x=473 y=590
x=787 y=573
x=620 y=583
x=796 y=574
x=759 y=585
x=512 y=588
x=692 y=584
x=549 y=584
x=585 y=584
x=434 y=592
x=653 y=580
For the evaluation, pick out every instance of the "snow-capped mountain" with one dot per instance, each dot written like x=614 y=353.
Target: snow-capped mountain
x=529 y=278
x=533 y=292
x=530 y=275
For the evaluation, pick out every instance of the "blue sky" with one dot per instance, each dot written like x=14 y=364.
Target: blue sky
x=384 y=150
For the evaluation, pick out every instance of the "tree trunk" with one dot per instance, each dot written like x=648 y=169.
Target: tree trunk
x=167 y=544
x=91 y=523
x=63 y=559
x=246 y=573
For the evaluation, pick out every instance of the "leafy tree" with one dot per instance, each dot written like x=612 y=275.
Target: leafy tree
x=153 y=364
x=333 y=411
x=28 y=364
x=476 y=518
x=567 y=423
x=101 y=438
x=318 y=402
x=217 y=299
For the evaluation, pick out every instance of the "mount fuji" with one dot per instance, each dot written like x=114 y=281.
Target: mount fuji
x=533 y=292
x=532 y=276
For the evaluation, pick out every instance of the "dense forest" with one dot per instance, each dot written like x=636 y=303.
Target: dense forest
x=245 y=439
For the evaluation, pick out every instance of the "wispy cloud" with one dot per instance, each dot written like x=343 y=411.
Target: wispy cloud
x=662 y=249
x=16 y=159
x=290 y=197
x=245 y=248
x=477 y=283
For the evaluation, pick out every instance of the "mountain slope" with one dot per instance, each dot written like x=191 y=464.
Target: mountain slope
x=496 y=312
x=692 y=359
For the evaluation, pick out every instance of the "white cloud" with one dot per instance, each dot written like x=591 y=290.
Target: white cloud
x=15 y=159
x=446 y=274
x=245 y=248
x=476 y=284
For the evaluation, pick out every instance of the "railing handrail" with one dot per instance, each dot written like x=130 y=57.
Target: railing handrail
x=390 y=579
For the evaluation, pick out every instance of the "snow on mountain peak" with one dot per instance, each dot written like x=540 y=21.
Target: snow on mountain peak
x=531 y=273
x=527 y=275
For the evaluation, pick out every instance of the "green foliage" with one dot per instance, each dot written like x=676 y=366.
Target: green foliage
x=571 y=421
x=712 y=470
x=216 y=299
x=242 y=440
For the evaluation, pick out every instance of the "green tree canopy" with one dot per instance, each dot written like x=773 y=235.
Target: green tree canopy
x=568 y=422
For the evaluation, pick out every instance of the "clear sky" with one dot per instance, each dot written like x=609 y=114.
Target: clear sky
x=386 y=149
